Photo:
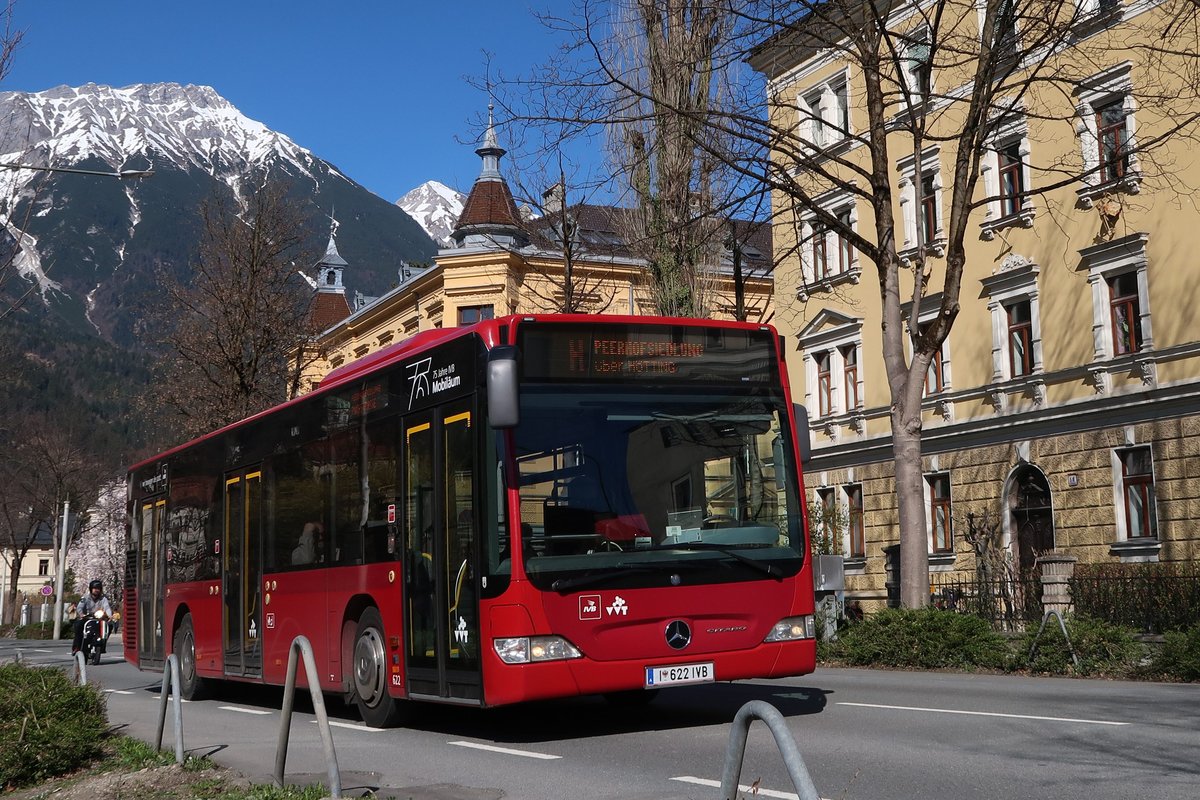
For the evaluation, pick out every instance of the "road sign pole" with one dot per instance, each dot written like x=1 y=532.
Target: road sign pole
x=60 y=583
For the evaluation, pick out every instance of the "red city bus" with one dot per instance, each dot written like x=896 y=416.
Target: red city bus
x=528 y=507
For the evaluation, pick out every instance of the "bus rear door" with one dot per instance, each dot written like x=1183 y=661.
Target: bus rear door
x=242 y=573
x=150 y=582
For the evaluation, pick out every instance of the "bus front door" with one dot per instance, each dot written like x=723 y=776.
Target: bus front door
x=242 y=573
x=441 y=602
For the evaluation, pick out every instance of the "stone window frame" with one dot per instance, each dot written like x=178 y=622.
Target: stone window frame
x=833 y=340
x=1103 y=262
x=828 y=112
x=1127 y=548
x=1012 y=129
x=834 y=202
x=911 y=172
x=941 y=558
x=930 y=306
x=1014 y=281
x=1097 y=91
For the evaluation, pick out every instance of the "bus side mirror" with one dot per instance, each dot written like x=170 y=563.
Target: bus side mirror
x=504 y=410
x=803 y=434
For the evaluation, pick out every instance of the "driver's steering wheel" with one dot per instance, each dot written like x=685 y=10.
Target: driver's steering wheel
x=719 y=521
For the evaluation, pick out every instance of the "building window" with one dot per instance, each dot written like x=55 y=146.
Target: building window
x=929 y=208
x=1107 y=134
x=1137 y=478
x=920 y=186
x=1013 y=300
x=1012 y=181
x=1020 y=338
x=1126 y=317
x=832 y=344
x=1005 y=169
x=825 y=113
x=935 y=377
x=1004 y=30
x=820 y=258
x=918 y=64
x=1117 y=273
x=850 y=374
x=469 y=315
x=939 y=513
x=824 y=384
x=826 y=253
x=854 y=514
x=43 y=566
x=1111 y=135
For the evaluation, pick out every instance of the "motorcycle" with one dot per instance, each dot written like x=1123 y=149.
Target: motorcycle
x=96 y=630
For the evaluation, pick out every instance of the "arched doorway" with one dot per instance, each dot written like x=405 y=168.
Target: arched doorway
x=1031 y=514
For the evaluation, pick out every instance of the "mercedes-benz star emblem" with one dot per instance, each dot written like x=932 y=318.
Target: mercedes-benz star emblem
x=679 y=635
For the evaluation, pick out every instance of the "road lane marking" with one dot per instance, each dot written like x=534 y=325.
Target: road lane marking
x=117 y=691
x=749 y=790
x=350 y=726
x=505 y=750
x=258 y=711
x=987 y=714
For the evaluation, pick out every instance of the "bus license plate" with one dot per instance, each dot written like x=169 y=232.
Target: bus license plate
x=681 y=673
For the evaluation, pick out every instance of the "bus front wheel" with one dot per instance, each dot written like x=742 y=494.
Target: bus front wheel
x=191 y=685
x=370 y=673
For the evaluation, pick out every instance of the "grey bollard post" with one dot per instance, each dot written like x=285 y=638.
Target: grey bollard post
x=735 y=751
x=170 y=680
x=301 y=646
x=81 y=668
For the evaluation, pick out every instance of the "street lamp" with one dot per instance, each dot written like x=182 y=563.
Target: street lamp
x=125 y=174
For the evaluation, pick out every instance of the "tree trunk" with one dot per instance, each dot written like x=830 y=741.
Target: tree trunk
x=910 y=496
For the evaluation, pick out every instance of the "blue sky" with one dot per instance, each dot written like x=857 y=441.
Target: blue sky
x=376 y=87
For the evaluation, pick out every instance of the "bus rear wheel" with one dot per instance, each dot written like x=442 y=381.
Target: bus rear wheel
x=369 y=663
x=191 y=685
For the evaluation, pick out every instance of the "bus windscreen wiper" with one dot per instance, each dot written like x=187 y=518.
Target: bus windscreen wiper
x=765 y=569
x=604 y=573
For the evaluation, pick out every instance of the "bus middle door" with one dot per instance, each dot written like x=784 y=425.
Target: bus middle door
x=441 y=602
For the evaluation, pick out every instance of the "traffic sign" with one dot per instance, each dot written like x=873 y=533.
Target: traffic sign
x=47 y=590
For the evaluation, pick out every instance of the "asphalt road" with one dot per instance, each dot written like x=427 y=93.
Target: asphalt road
x=868 y=734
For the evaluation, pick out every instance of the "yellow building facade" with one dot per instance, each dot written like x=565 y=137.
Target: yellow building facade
x=1065 y=403
x=501 y=261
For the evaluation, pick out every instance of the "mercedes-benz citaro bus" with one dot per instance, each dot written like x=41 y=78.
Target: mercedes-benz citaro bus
x=528 y=507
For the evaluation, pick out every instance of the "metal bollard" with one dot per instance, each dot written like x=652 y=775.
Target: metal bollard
x=735 y=751
x=1062 y=626
x=171 y=680
x=81 y=668
x=301 y=646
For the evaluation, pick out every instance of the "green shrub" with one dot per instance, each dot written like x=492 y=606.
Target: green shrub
x=48 y=725
x=923 y=638
x=1179 y=656
x=36 y=630
x=1101 y=647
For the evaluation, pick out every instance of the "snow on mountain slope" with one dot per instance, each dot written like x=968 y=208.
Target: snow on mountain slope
x=435 y=207
x=192 y=126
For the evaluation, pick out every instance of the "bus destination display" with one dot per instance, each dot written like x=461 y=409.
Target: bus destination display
x=661 y=353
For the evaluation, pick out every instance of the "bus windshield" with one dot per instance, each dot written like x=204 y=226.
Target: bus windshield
x=653 y=487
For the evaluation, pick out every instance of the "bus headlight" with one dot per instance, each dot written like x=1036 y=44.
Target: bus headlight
x=526 y=649
x=790 y=629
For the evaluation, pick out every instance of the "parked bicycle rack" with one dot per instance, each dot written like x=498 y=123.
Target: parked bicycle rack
x=735 y=751
x=1063 y=627
x=302 y=646
x=170 y=680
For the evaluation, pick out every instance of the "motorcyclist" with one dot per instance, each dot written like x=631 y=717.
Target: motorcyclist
x=91 y=601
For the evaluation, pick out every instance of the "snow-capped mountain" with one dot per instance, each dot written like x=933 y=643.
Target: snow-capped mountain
x=435 y=207
x=92 y=244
